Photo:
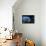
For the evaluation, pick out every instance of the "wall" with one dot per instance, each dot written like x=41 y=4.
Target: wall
x=6 y=16
x=28 y=7
x=43 y=31
x=6 y=13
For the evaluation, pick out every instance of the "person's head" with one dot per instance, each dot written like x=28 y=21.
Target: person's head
x=30 y=43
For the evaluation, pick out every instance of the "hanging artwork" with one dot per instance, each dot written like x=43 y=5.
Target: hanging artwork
x=27 y=19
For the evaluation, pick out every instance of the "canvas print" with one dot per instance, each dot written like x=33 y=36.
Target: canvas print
x=28 y=19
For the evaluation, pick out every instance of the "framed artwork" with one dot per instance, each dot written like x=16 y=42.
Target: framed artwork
x=28 y=19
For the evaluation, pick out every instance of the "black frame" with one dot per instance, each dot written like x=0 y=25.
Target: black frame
x=28 y=19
